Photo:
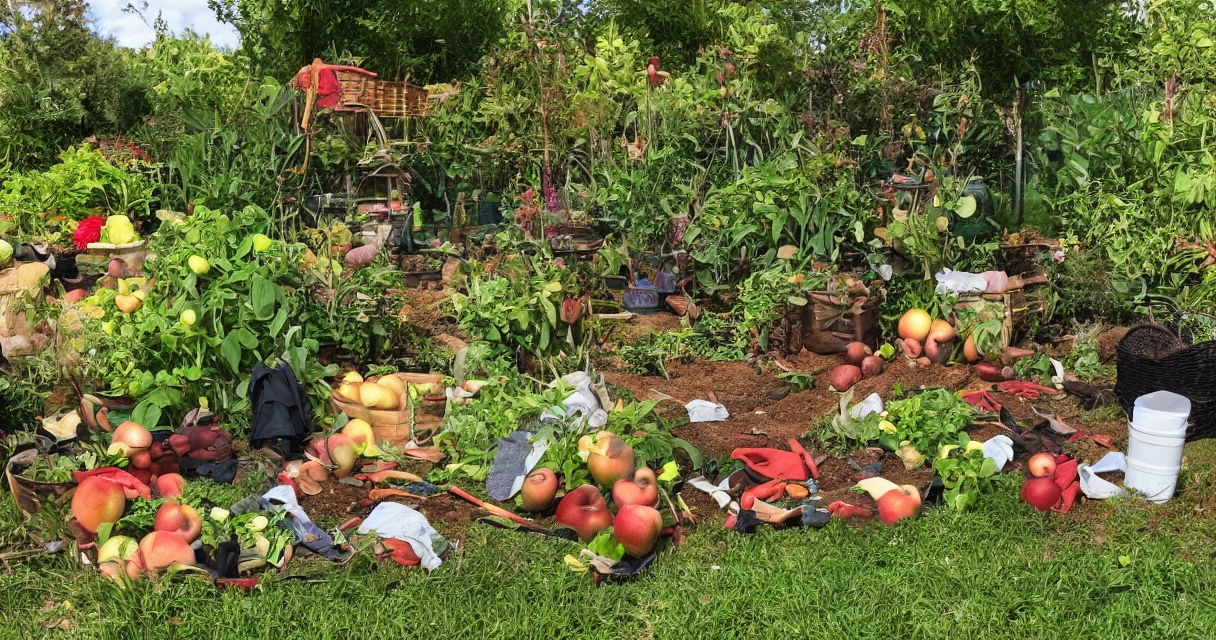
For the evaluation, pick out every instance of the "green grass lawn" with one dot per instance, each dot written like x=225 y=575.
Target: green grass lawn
x=1115 y=570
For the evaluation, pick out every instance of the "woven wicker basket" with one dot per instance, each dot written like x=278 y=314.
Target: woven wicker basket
x=388 y=98
x=1151 y=358
x=394 y=426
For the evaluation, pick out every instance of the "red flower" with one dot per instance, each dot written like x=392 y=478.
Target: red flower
x=89 y=230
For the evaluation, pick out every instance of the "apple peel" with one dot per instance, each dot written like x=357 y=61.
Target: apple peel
x=876 y=486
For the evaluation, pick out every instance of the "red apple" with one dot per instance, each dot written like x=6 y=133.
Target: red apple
x=637 y=528
x=1042 y=464
x=97 y=501
x=162 y=550
x=1041 y=493
x=342 y=451
x=609 y=459
x=900 y=503
x=585 y=511
x=114 y=555
x=540 y=489
x=642 y=489
x=181 y=519
x=170 y=485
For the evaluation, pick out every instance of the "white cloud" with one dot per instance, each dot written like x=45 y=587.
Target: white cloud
x=130 y=31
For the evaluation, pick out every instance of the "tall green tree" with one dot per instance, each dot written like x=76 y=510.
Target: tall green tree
x=61 y=82
x=425 y=40
x=1055 y=42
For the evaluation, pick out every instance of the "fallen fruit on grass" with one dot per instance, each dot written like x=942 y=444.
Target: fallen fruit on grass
x=1041 y=493
x=540 y=489
x=970 y=352
x=170 y=485
x=360 y=432
x=989 y=372
x=178 y=518
x=1042 y=464
x=585 y=511
x=872 y=366
x=96 y=502
x=637 y=528
x=915 y=325
x=132 y=436
x=609 y=459
x=941 y=331
x=844 y=377
x=935 y=352
x=856 y=352
x=911 y=347
x=199 y=265
x=75 y=295
x=877 y=486
x=898 y=504
x=113 y=556
x=131 y=440
x=163 y=550
x=126 y=303
x=642 y=489
x=342 y=453
x=141 y=459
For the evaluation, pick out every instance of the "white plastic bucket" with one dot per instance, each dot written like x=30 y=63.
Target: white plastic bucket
x=1155 y=447
x=1162 y=411
x=1154 y=458
x=1155 y=483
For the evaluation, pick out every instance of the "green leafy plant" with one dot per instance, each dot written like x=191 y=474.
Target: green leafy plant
x=965 y=472
x=516 y=304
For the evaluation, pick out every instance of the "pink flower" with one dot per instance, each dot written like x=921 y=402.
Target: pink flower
x=88 y=231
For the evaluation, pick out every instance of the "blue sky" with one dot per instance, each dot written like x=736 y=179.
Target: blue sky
x=130 y=31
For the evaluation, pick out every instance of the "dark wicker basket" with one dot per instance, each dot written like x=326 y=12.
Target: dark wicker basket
x=1152 y=358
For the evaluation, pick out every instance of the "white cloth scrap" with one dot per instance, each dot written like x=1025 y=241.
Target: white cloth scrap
x=706 y=411
x=872 y=404
x=1097 y=488
x=715 y=491
x=583 y=404
x=286 y=495
x=1113 y=461
x=1000 y=449
x=392 y=520
x=960 y=282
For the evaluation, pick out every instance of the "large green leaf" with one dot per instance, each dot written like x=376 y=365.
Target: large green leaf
x=230 y=351
x=263 y=295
